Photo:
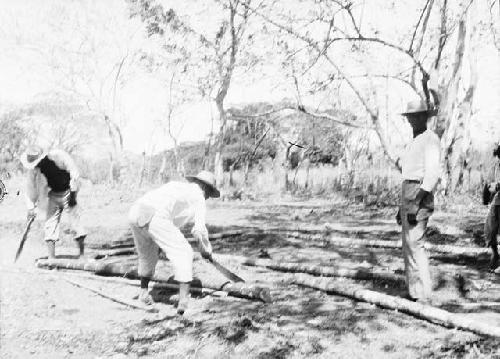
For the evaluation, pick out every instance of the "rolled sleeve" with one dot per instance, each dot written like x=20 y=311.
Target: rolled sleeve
x=200 y=210
x=31 y=196
x=432 y=167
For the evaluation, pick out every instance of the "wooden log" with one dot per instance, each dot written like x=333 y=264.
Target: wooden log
x=427 y=312
x=355 y=242
x=113 y=298
x=126 y=240
x=115 y=280
x=120 y=251
x=358 y=273
x=128 y=269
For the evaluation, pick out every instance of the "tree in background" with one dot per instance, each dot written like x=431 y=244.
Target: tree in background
x=13 y=137
x=87 y=53
x=337 y=46
x=210 y=52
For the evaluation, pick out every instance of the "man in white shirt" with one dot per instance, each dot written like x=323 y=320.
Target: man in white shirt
x=155 y=219
x=53 y=183
x=420 y=171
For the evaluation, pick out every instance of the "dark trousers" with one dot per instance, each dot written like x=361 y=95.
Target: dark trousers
x=492 y=223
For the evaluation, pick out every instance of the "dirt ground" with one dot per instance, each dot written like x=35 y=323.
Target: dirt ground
x=43 y=315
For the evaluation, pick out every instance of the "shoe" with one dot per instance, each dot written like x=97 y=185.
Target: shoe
x=145 y=297
x=183 y=298
x=182 y=306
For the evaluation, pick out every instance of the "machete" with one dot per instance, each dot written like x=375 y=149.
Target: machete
x=25 y=236
x=226 y=272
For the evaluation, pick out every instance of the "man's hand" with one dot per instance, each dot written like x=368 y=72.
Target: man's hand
x=31 y=214
x=72 y=199
x=204 y=244
x=412 y=218
x=413 y=210
x=398 y=217
x=420 y=196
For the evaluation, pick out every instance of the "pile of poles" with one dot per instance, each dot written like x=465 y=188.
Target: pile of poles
x=306 y=275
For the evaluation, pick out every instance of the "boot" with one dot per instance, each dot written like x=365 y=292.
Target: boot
x=51 y=246
x=81 y=245
x=183 y=297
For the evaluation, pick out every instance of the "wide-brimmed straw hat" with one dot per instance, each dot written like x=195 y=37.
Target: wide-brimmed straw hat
x=208 y=179
x=32 y=157
x=417 y=106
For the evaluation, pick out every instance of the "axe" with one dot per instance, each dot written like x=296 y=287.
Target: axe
x=226 y=272
x=24 y=237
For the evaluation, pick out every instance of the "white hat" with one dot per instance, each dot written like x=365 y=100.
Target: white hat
x=208 y=179
x=417 y=106
x=32 y=157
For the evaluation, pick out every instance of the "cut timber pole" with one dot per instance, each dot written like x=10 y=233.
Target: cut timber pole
x=126 y=240
x=112 y=297
x=346 y=241
x=127 y=267
x=427 y=312
x=358 y=273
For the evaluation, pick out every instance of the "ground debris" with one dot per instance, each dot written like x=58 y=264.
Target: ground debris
x=236 y=331
x=465 y=348
x=281 y=351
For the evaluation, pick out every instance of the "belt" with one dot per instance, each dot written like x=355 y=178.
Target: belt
x=412 y=181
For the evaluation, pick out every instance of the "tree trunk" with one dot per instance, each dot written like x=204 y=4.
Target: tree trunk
x=426 y=312
x=128 y=269
x=359 y=273
x=162 y=174
x=472 y=252
x=218 y=162
x=456 y=106
x=143 y=169
x=111 y=170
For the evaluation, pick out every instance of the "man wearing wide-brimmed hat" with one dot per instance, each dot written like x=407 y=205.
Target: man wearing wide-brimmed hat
x=420 y=171
x=155 y=219
x=53 y=182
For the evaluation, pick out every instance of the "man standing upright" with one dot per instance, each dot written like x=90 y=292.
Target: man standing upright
x=420 y=169
x=491 y=196
x=53 y=181
x=155 y=219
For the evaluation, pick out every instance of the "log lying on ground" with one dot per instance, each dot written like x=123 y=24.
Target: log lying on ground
x=127 y=267
x=438 y=248
x=113 y=298
x=358 y=273
x=427 y=312
x=127 y=240
x=114 y=252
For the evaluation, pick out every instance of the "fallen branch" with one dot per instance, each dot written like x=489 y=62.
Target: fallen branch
x=126 y=240
x=113 y=298
x=438 y=248
x=427 y=312
x=116 y=280
x=359 y=273
x=127 y=267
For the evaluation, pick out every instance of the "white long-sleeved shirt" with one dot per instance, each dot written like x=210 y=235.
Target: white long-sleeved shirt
x=182 y=202
x=36 y=183
x=421 y=160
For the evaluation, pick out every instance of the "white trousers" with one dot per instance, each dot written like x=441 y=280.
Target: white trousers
x=57 y=202
x=160 y=232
